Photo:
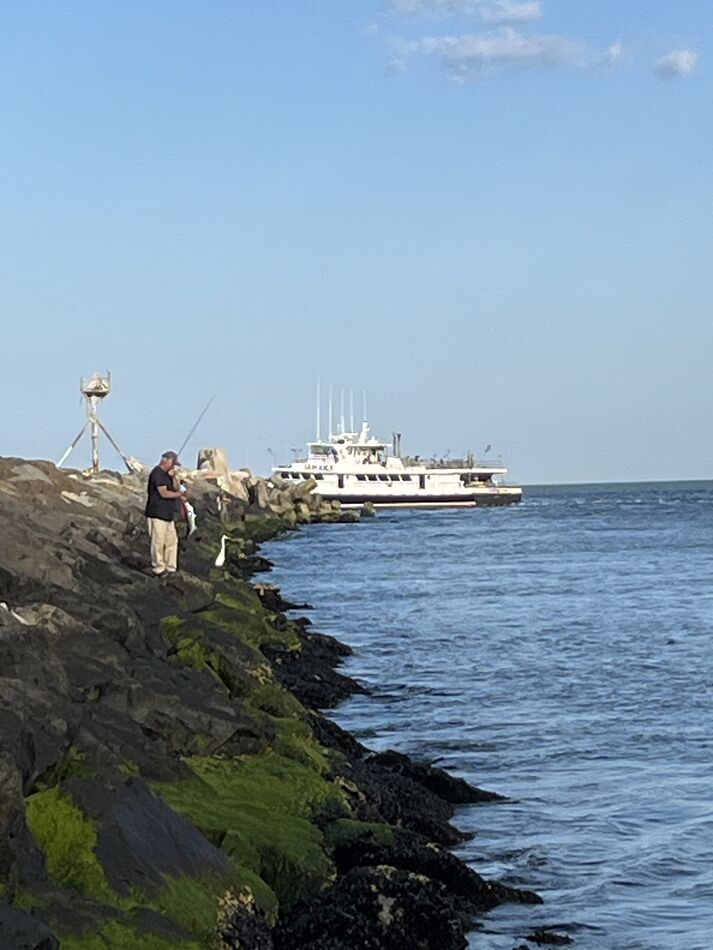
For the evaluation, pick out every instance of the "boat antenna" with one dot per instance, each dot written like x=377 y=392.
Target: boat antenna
x=363 y=401
x=319 y=409
x=196 y=424
x=351 y=410
x=341 y=414
x=331 y=396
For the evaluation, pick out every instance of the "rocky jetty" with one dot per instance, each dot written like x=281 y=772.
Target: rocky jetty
x=168 y=780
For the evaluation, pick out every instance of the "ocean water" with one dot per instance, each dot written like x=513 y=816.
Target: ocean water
x=560 y=653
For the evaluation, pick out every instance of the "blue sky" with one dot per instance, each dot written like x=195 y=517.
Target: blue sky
x=495 y=216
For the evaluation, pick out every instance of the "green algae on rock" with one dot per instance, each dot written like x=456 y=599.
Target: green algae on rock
x=262 y=810
x=68 y=840
x=113 y=935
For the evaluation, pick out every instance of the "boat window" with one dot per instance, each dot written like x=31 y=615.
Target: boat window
x=421 y=481
x=372 y=478
x=361 y=478
x=305 y=476
x=319 y=476
x=383 y=478
x=341 y=481
x=405 y=478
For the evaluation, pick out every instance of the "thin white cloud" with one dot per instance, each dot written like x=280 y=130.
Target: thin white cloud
x=676 y=64
x=506 y=40
x=435 y=7
x=612 y=55
x=467 y=57
x=608 y=61
x=510 y=11
x=493 y=11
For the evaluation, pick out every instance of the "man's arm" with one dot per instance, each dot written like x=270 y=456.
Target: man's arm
x=166 y=492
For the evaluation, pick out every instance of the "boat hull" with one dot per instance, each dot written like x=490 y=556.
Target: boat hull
x=460 y=500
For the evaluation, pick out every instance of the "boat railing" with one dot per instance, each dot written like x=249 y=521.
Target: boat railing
x=453 y=463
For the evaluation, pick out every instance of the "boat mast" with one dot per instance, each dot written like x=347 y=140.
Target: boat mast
x=319 y=409
x=331 y=394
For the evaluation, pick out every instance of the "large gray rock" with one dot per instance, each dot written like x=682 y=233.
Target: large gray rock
x=214 y=461
x=237 y=485
x=304 y=489
x=141 y=840
x=22 y=931
x=20 y=860
x=259 y=492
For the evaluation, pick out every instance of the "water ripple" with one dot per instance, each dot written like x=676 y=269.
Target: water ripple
x=559 y=653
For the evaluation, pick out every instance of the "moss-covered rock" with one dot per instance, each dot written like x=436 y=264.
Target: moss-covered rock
x=115 y=935
x=263 y=812
x=346 y=831
x=239 y=611
x=69 y=841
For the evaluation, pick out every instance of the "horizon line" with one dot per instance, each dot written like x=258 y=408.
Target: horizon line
x=634 y=481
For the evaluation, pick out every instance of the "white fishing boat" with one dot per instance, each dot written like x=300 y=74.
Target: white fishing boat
x=355 y=468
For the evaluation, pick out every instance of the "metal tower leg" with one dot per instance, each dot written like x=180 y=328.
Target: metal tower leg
x=118 y=450
x=69 y=450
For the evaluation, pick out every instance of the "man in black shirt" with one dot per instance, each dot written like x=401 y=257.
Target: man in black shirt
x=162 y=494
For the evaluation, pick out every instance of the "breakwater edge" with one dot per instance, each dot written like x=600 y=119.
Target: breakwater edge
x=167 y=779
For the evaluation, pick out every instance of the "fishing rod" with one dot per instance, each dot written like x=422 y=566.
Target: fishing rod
x=196 y=424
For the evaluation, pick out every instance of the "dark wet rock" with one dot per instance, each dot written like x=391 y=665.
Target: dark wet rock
x=379 y=908
x=412 y=852
x=21 y=931
x=271 y=597
x=332 y=736
x=548 y=938
x=402 y=801
x=242 y=560
x=311 y=673
x=241 y=925
x=448 y=787
x=259 y=565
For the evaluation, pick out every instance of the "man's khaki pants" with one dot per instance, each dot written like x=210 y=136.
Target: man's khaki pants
x=164 y=545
